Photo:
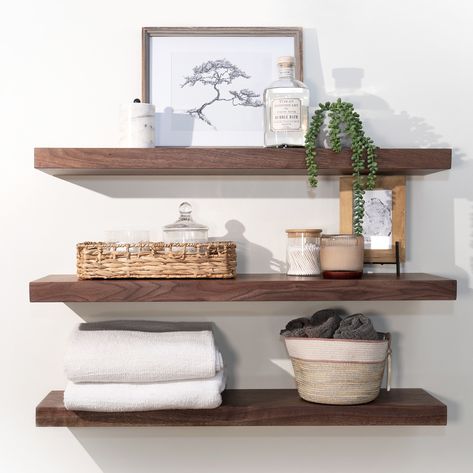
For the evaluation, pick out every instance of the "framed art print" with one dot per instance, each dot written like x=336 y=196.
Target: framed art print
x=207 y=83
x=384 y=220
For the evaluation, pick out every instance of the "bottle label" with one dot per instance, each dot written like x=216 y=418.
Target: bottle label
x=286 y=115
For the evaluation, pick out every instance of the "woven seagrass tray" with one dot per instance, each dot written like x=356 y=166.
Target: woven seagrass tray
x=98 y=260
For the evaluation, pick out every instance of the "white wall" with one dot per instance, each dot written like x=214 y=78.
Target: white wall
x=64 y=68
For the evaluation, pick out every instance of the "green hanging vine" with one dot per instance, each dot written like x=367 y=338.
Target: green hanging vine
x=362 y=146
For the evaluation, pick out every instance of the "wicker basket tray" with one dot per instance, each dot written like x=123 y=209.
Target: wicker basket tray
x=339 y=371
x=97 y=260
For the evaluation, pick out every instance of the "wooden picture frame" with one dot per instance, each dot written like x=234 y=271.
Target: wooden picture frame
x=175 y=78
x=395 y=187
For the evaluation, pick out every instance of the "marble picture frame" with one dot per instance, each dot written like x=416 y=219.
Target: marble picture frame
x=194 y=109
x=385 y=217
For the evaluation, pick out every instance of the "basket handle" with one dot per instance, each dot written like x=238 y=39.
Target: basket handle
x=387 y=337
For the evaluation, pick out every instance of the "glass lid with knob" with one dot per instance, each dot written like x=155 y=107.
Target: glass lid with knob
x=184 y=229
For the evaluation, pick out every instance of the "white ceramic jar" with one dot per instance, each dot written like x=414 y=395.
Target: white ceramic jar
x=137 y=125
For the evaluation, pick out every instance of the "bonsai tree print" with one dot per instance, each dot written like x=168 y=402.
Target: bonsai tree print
x=216 y=74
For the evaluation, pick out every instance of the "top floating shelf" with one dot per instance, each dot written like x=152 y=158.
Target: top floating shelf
x=229 y=161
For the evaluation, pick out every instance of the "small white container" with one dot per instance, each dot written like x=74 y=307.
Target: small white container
x=137 y=125
x=303 y=252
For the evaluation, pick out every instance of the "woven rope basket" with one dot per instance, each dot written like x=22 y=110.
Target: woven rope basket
x=339 y=371
x=97 y=260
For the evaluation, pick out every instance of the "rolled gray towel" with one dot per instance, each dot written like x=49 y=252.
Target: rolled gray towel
x=295 y=332
x=356 y=327
x=300 y=322
x=324 y=323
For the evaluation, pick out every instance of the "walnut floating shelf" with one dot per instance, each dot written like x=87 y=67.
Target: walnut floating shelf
x=247 y=407
x=228 y=161
x=245 y=287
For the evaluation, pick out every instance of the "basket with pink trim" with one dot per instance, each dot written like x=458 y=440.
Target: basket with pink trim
x=340 y=371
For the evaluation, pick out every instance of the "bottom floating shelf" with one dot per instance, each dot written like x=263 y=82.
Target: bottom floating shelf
x=246 y=407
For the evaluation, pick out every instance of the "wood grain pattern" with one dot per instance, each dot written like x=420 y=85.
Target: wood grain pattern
x=245 y=287
x=228 y=161
x=397 y=184
x=149 y=32
x=250 y=407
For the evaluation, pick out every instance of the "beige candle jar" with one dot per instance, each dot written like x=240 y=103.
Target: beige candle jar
x=341 y=256
x=303 y=252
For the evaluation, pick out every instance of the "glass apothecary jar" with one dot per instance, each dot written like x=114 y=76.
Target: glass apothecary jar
x=341 y=256
x=302 y=255
x=184 y=229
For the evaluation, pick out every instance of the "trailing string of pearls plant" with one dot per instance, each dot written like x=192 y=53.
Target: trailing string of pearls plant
x=362 y=146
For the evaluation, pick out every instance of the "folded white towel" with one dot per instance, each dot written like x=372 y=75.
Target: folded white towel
x=129 y=356
x=109 y=397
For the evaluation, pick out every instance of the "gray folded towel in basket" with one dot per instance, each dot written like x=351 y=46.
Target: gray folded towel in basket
x=295 y=327
x=323 y=323
x=356 y=327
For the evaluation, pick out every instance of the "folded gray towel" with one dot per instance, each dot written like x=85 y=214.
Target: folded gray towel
x=147 y=326
x=356 y=327
x=323 y=323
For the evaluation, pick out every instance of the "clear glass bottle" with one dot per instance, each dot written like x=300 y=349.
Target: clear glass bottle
x=303 y=248
x=286 y=104
x=185 y=230
x=341 y=256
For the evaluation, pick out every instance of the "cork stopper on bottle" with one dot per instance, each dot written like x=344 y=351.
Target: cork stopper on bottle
x=286 y=61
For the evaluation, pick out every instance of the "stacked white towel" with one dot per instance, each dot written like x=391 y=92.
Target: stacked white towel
x=124 y=366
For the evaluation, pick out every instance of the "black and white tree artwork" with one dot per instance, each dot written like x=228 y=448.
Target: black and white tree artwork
x=218 y=74
x=377 y=221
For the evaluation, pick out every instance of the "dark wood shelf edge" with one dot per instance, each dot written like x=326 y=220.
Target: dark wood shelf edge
x=245 y=287
x=229 y=161
x=260 y=407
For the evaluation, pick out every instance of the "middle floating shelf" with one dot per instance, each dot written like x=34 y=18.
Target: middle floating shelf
x=245 y=287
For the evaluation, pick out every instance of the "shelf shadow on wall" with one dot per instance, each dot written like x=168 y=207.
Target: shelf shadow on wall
x=124 y=450
x=227 y=187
